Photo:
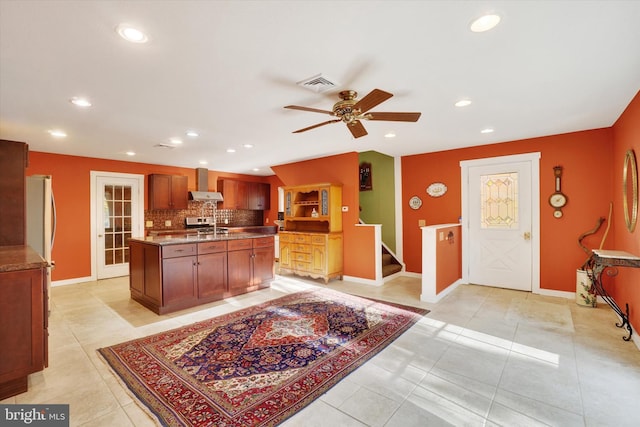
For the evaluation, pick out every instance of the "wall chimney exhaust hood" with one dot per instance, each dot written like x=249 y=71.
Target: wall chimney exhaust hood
x=213 y=196
x=202 y=185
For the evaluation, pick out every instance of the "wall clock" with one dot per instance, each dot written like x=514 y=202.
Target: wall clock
x=558 y=199
x=436 y=189
x=415 y=202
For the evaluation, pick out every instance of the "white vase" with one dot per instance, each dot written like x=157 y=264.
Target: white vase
x=583 y=285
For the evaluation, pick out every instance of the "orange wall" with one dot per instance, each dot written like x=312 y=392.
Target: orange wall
x=448 y=261
x=626 y=136
x=587 y=180
x=339 y=169
x=71 y=187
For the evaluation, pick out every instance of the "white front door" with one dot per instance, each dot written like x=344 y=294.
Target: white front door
x=119 y=214
x=499 y=223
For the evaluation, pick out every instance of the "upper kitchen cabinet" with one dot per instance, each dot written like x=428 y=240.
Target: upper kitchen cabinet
x=168 y=192
x=13 y=161
x=259 y=196
x=244 y=195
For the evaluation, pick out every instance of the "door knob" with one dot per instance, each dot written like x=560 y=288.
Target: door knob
x=527 y=235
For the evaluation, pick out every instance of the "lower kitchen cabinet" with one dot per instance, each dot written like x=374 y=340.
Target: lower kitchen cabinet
x=23 y=319
x=171 y=277
x=251 y=264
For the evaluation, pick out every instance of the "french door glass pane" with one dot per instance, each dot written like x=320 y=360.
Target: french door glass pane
x=117 y=223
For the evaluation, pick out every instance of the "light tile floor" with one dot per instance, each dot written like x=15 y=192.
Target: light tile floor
x=482 y=356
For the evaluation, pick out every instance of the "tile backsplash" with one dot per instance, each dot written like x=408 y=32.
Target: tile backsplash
x=233 y=217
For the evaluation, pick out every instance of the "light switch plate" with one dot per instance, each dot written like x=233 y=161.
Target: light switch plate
x=148 y=224
x=422 y=223
x=345 y=209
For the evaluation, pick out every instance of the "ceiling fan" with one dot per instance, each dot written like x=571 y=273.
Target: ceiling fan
x=352 y=111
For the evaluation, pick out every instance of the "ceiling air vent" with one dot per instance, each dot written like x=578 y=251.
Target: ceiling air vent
x=169 y=146
x=318 y=83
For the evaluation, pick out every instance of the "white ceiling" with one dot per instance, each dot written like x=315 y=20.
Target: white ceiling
x=227 y=68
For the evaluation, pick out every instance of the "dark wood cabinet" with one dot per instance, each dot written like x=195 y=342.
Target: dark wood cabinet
x=212 y=271
x=13 y=161
x=167 y=278
x=168 y=192
x=23 y=318
x=244 y=195
x=250 y=264
x=259 y=196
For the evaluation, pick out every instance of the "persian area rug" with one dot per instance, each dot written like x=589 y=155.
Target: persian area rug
x=259 y=365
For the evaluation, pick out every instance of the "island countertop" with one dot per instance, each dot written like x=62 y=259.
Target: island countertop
x=179 y=239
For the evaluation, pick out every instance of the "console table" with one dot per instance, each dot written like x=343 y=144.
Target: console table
x=608 y=260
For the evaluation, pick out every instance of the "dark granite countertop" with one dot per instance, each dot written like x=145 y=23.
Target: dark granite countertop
x=15 y=258
x=183 y=238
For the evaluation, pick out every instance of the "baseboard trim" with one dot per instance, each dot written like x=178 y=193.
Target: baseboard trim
x=363 y=281
x=72 y=281
x=444 y=293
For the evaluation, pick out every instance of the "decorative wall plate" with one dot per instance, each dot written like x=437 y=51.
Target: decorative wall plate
x=415 y=202
x=436 y=189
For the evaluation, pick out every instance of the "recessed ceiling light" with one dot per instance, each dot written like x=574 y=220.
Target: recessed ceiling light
x=247 y=145
x=176 y=141
x=130 y=153
x=484 y=23
x=80 y=102
x=390 y=135
x=231 y=150
x=192 y=134
x=203 y=162
x=131 y=34
x=487 y=130
x=255 y=169
x=463 y=103
x=57 y=133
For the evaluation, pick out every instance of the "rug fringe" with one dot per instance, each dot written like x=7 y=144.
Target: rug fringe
x=130 y=393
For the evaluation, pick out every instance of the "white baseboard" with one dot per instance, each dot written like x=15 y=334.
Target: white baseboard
x=363 y=281
x=442 y=294
x=72 y=281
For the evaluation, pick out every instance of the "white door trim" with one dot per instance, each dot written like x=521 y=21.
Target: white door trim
x=534 y=159
x=94 y=226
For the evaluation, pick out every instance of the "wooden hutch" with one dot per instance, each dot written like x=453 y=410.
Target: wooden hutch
x=311 y=243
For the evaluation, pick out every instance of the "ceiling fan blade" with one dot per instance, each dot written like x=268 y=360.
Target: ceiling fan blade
x=316 y=126
x=394 y=117
x=357 y=129
x=313 y=110
x=372 y=99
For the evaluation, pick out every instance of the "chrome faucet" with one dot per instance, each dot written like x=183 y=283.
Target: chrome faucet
x=214 y=206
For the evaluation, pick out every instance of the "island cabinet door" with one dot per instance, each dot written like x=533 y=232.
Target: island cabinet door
x=212 y=276
x=179 y=282
x=240 y=265
x=263 y=265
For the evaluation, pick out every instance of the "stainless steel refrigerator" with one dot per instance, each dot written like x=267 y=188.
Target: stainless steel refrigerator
x=41 y=219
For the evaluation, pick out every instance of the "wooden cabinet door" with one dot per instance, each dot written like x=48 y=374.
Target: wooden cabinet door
x=285 y=254
x=179 y=193
x=22 y=324
x=263 y=265
x=212 y=275
x=259 y=196
x=319 y=259
x=240 y=270
x=167 y=192
x=179 y=280
x=13 y=161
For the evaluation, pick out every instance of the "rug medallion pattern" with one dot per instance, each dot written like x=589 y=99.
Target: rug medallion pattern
x=259 y=365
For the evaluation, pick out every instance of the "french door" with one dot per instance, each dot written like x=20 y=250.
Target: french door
x=118 y=206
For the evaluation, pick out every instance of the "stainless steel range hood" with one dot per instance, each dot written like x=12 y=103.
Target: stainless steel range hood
x=212 y=196
x=202 y=185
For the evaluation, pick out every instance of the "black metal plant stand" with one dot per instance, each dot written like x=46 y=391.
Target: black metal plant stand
x=609 y=261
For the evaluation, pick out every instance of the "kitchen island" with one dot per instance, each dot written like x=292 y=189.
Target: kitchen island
x=173 y=272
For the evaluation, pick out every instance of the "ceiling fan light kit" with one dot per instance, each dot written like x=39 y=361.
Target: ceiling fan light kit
x=352 y=111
